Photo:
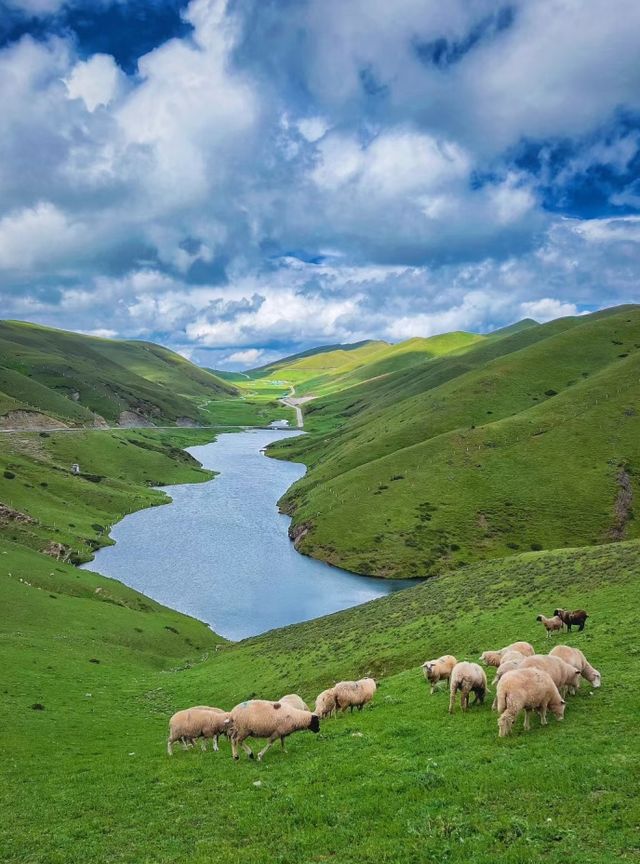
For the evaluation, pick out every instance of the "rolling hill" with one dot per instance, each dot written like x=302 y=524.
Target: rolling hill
x=83 y=380
x=526 y=440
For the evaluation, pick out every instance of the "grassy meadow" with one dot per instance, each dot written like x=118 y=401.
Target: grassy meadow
x=87 y=776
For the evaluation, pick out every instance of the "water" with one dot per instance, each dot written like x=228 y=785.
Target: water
x=220 y=551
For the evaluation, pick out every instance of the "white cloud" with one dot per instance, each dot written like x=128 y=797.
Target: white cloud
x=95 y=81
x=246 y=358
x=313 y=128
x=547 y=308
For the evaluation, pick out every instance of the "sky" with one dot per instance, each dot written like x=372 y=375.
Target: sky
x=243 y=179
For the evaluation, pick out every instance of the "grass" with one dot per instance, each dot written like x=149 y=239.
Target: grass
x=87 y=778
x=523 y=442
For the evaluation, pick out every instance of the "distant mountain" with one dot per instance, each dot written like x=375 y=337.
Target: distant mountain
x=83 y=380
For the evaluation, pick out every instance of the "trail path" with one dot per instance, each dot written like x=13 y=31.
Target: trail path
x=292 y=402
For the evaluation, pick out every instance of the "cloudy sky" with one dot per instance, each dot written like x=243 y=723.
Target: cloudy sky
x=244 y=179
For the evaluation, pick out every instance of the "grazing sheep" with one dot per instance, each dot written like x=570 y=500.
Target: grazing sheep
x=271 y=720
x=562 y=674
x=522 y=647
x=527 y=690
x=551 y=625
x=295 y=701
x=467 y=677
x=326 y=703
x=578 y=616
x=438 y=670
x=494 y=658
x=354 y=694
x=503 y=668
x=201 y=721
x=491 y=658
x=576 y=658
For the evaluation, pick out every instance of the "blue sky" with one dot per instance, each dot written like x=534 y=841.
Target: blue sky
x=249 y=178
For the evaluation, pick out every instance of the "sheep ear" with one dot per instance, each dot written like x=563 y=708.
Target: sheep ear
x=563 y=702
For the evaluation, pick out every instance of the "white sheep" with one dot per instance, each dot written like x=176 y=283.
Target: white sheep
x=551 y=625
x=527 y=690
x=326 y=703
x=354 y=694
x=494 y=658
x=513 y=661
x=563 y=675
x=438 y=670
x=295 y=701
x=467 y=677
x=259 y=718
x=576 y=658
x=201 y=721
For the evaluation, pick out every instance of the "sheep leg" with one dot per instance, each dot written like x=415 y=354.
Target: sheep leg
x=284 y=749
x=203 y=744
x=527 y=720
x=542 y=713
x=270 y=741
x=215 y=743
x=464 y=699
x=452 y=701
x=494 y=704
x=169 y=746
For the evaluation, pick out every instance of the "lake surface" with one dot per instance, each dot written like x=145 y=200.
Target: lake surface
x=220 y=551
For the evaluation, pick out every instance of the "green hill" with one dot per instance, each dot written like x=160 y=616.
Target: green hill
x=402 y=782
x=83 y=380
x=524 y=441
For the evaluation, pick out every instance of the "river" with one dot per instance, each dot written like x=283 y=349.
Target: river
x=221 y=553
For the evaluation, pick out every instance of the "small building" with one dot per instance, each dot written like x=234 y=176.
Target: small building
x=75 y=468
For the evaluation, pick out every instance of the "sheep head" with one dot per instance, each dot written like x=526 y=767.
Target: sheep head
x=314 y=724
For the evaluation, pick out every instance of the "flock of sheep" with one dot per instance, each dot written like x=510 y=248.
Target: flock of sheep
x=525 y=681
x=259 y=718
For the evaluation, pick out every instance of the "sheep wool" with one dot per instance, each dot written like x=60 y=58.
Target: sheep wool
x=576 y=658
x=354 y=694
x=259 y=718
x=562 y=674
x=295 y=701
x=527 y=690
x=467 y=678
x=438 y=670
x=202 y=721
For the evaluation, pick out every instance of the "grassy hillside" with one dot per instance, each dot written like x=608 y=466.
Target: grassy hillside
x=82 y=380
x=87 y=777
x=337 y=367
x=528 y=440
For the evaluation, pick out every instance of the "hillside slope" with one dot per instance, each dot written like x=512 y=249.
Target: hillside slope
x=84 y=380
x=428 y=786
x=528 y=440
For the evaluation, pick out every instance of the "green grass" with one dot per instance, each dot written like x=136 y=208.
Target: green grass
x=87 y=778
x=517 y=444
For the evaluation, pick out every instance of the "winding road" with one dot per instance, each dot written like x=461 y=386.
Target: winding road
x=291 y=401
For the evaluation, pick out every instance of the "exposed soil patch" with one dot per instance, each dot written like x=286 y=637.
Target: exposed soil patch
x=8 y=514
x=29 y=420
x=131 y=420
x=622 y=507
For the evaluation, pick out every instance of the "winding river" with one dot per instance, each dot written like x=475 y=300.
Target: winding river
x=221 y=553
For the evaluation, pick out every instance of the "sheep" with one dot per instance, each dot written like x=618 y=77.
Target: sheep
x=576 y=658
x=551 y=625
x=491 y=658
x=259 y=718
x=467 y=677
x=503 y=668
x=295 y=701
x=494 y=658
x=201 y=721
x=527 y=690
x=523 y=647
x=438 y=670
x=562 y=674
x=326 y=703
x=354 y=694
x=578 y=616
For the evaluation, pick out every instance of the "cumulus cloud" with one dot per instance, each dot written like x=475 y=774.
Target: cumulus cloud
x=349 y=170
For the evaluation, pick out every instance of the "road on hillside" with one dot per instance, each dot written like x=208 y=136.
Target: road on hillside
x=292 y=402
